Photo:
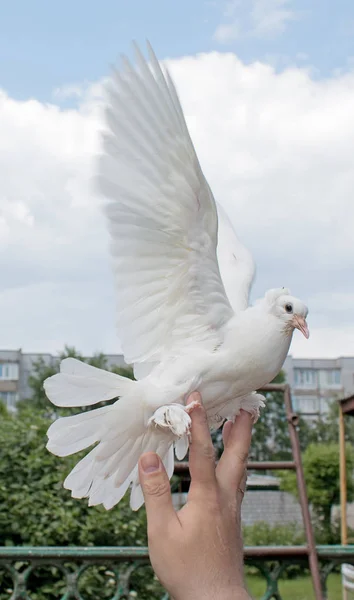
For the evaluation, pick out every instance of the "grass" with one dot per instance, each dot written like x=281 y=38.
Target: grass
x=296 y=589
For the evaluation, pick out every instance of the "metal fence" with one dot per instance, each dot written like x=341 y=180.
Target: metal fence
x=121 y=563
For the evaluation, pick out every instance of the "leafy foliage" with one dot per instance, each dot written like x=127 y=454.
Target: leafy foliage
x=3 y=409
x=270 y=440
x=321 y=469
x=37 y=510
x=281 y=534
x=325 y=428
x=264 y=534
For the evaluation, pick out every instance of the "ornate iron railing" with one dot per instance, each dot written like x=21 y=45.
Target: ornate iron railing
x=19 y=565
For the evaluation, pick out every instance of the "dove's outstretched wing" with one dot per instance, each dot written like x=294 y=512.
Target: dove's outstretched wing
x=237 y=267
x=171 y=298
x=162 y=219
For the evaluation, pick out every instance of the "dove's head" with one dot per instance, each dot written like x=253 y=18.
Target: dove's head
x=290 y=310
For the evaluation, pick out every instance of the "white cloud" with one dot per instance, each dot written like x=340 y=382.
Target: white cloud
x=227 y=32
x=277 y=149
x=86 y=92
x=74 y=90
x=270 y=17
x=254 y=18
x=302 y=56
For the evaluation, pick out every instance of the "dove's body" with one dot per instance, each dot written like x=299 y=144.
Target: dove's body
x=183 y=282
x=237 y=366
x=225 y=376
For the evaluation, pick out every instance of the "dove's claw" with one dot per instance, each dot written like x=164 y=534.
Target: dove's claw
x=173 y=417
x=252 y=404
x=191 y=406
x=255 y=413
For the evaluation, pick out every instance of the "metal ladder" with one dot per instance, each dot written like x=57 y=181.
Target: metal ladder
x=295 y=465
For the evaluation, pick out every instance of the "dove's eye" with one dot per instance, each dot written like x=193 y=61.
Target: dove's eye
x=289 y=308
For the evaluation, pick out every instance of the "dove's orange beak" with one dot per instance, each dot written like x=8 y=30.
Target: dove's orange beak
x=300 y=324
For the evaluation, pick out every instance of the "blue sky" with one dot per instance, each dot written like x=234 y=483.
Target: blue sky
x=279 y=138
x=45 y=45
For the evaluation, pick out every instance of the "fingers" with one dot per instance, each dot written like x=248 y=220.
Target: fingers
x=157 y=492
x=201 y=450
x=242 y=488
x=232 y=465
x=226 y=432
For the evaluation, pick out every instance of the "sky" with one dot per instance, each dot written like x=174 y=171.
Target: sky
x=267 y=87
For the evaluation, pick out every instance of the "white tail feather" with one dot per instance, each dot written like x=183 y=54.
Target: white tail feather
x=69 y=435
x=113 y=495
x=169 y=461
x=136 y=496
x=80 y=384
x=129 y=461
x=122 y=434
x=79 y=480
x=181 y=447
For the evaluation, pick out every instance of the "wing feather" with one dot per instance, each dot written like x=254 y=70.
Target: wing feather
x=162 y=219
x=236 y=264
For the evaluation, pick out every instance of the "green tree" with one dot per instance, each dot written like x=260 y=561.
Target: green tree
x=321 y=470
x=98 y=360
x=3 y=410
x=36 y=510
x=325 y=429
x=270 y=440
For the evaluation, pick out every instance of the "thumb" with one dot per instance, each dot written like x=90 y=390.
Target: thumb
x=157 y=492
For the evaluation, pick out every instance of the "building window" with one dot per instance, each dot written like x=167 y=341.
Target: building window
x=306 y=405
x=9 y=399
x=9 y=371
x=305 y=378
x=296 y=403
x=333 y=377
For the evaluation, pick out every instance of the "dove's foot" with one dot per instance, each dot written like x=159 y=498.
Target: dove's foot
x=252 y=404
x=191 y=406
x=174 y=417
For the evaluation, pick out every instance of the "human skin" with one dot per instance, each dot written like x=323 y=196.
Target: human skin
x=197 y=552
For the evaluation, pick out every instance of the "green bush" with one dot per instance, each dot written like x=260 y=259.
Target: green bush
x=321 y=470
x=36 y=510
x=264 y=534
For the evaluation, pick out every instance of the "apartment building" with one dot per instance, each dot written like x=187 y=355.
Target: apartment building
x=315 y=383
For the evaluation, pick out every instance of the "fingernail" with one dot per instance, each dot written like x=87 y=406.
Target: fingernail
x=194 y=397
x=150 y=462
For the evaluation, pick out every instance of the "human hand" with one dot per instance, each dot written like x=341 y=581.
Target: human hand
x=197 y=552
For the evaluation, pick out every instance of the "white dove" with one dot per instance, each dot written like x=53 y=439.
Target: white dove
x=176 y=324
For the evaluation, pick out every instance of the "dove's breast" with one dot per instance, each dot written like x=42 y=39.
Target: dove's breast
x=252 y=355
